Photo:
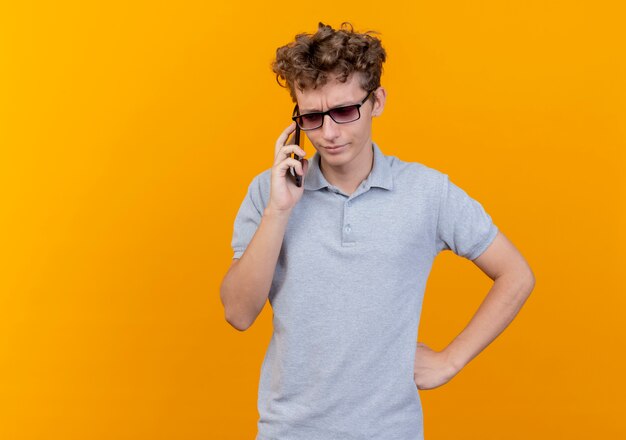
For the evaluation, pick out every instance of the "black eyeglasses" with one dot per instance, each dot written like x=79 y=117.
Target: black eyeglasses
x=341 y=115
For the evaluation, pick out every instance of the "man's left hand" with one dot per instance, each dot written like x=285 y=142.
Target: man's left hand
x=432 y=368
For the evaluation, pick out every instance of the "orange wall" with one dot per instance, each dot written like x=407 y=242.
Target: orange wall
x=126 y=148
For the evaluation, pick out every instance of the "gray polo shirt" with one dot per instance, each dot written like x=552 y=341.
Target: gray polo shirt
x=347 y=295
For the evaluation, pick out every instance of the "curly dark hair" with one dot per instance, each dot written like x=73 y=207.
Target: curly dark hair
x=311 y=60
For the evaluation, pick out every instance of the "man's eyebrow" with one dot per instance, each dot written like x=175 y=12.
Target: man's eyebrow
x=319 y=111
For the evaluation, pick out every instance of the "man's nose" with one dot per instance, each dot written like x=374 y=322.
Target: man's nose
x=330 y=130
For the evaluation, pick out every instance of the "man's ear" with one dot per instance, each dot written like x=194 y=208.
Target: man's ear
x=380 y=95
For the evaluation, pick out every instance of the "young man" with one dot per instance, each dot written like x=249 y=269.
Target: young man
x=344 y=259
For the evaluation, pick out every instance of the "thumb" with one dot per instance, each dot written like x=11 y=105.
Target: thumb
x=305 y=165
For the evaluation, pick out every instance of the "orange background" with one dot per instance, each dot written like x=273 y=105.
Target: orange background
x=130 y=132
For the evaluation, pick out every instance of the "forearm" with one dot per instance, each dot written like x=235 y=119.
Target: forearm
x=245 y=288
x=502 y=303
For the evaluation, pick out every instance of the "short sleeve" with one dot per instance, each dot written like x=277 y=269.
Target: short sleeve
x=463 y=225
x=248 y=219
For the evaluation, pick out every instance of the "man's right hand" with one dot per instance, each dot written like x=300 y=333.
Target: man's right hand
x=284 y=194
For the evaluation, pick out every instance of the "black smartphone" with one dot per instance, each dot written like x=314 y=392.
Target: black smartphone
x=296 y=177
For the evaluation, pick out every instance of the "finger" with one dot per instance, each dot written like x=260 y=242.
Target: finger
x=280 y=142
x=293 y=148
x=290 y=163
x=305 y=167
x=292 y=139
x=287 y=150
x=301 y=169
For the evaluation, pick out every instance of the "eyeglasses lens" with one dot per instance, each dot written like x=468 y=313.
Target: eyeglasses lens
x=340 y=115
x=345 y=114
x=310 y=121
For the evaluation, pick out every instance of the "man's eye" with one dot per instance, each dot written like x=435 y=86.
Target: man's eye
x=310 y=118
x=343 y=110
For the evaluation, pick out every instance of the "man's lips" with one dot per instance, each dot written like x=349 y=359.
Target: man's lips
x=332 y=147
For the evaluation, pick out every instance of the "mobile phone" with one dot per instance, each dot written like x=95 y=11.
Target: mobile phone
x=296 y=177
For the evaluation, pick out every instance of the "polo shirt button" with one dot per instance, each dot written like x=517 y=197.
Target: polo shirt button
x=348 y=229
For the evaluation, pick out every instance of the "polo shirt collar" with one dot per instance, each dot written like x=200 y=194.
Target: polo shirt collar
x=380 y=175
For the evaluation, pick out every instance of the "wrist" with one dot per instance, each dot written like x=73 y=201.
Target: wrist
x=455 y=357
x=278 y=213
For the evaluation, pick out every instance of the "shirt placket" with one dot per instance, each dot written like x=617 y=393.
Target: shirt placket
x=348 y=236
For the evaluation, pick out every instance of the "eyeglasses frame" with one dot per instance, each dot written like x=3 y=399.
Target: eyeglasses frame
x=327 y=112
